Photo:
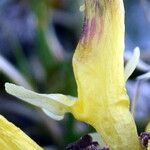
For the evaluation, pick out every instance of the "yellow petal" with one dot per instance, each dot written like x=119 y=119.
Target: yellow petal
x=99 y=72
x=54 y=105
x=12 y=138
x=148 y=127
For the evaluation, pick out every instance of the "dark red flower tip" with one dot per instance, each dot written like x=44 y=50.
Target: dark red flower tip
x=144 y=138
x=85 y=143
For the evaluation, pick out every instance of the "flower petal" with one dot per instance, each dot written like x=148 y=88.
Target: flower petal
x=57 y=104
x=12 y=138
x=148 y=127
x=99 y=72
x=132 y=63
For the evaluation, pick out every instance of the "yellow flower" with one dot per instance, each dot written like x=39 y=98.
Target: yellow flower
x=99 y=71
x=12 y=138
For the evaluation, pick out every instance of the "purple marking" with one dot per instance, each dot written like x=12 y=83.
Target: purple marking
x=93 y=27
x=85 y=29
x=89 y=30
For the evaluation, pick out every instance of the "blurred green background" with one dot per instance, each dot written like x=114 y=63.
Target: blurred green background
x=37 y=41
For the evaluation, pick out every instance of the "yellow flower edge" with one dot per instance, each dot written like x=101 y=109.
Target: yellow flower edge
x=12 y=138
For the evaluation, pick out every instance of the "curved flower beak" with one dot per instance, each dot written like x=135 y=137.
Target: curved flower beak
x=12 y=137
x=54 y=105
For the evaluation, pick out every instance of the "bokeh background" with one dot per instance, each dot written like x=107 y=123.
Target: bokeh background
x=37 y=41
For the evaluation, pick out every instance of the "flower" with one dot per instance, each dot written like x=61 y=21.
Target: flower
x=99 y=72
x=12 y=137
